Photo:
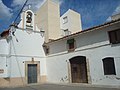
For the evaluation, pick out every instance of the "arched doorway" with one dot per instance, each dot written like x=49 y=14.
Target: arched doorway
x=78 y=69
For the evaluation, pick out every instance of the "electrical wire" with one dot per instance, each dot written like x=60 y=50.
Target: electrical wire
x=13 y=43
x=20 y=11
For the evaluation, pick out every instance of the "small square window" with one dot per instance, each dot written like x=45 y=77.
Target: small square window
x=67 y=32
x=71 y=44
x=114 y=36
x=46 y=49
x=65 y=20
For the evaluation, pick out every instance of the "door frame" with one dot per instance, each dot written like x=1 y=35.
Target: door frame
x=87 y=67
x=38 y=70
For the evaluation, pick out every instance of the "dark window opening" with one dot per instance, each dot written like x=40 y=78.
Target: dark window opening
x=65 y=20
x=29 y=17
x=109 y=66
x=114 y=36
x=67 y=32
x=71 y=44
x=46 y=49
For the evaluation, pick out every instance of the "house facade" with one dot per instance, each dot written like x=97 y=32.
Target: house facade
x=89 y=56
x=37 y=51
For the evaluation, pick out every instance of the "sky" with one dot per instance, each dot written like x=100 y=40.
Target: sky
x=93 y=12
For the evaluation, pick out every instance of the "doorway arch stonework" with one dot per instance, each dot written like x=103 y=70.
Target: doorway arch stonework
x=78 y=69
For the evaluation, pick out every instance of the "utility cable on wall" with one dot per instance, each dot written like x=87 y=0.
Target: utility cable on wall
x=14 y=25
x=20 y=11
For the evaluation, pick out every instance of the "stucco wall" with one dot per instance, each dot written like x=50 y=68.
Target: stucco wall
x=57 y=66
x=73 y=23
x=13 y=57
x=4 y=51
x=29 y=46
x=4 y=46
x=48 y=18
x=95 y=46
x=17 y=66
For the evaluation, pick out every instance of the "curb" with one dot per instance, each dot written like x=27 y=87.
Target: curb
x=84 y=85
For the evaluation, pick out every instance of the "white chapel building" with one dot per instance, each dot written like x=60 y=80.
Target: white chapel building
x=47 y=48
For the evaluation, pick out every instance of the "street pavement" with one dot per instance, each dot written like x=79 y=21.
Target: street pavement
x=60 y=87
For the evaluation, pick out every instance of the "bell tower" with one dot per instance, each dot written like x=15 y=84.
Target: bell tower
x=27 y=20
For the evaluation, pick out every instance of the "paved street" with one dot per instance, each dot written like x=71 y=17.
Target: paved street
x=59 y=87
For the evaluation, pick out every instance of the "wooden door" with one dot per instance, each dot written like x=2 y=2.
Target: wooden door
x=75 y=73
x=78 y=71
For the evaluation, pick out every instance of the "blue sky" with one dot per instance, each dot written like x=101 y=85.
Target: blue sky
x=93 y=12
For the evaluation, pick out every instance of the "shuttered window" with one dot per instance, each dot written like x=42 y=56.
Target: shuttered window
x=114 y=36
x=109 y=66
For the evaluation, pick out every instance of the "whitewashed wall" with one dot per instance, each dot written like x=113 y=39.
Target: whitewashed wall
x=73 y=23
x=14 y=54
x=62 y=24
x=29 y=46
x=4 y=47
x=17 y=66
x=4 y=51
x=95 y=46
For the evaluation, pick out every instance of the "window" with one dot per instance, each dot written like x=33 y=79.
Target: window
x=71 y=44
x=46 y=49
x=67 y=32
x=65 y=19
x=29 y=17
x=109 y=66
x=114 y=36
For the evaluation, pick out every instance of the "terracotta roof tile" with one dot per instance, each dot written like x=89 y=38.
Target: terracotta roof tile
x=4 y=33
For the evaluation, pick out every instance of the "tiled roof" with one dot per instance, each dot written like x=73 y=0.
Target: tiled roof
x=4 y=34
x=87 y=30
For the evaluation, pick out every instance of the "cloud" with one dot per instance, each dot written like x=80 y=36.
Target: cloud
x=18 y=2
x=35 y=4
x=5 y=12
x=109 y=19
x=117 y=10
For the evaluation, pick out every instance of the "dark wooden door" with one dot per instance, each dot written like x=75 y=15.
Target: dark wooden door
x=83 y=73
x=79 y=71
x=75 y=73
x=32 y=73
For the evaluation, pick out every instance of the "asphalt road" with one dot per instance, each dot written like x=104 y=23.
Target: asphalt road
x=58 y=87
